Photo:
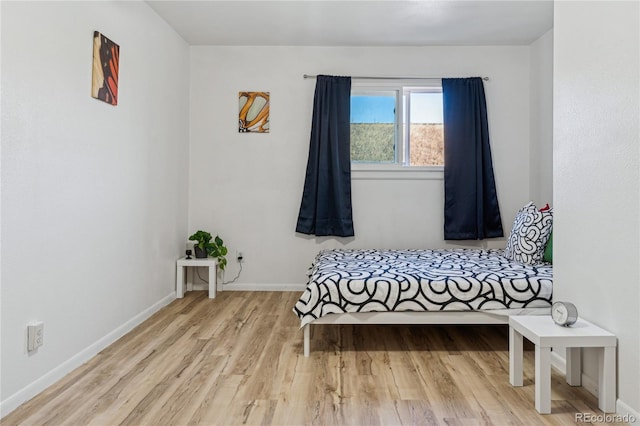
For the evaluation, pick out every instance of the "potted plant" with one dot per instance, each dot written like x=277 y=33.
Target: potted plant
x=204 y=247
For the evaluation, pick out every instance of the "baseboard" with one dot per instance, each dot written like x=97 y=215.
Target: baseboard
x=263 y=287
x=627 y=413
x=623 y=410
x=252 y=287
x=560 y=364
x=34 y=388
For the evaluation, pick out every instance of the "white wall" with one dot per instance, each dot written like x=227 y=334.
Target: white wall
x=541 y=155
x=93 y=196
x=248 y=187
x=596 y=181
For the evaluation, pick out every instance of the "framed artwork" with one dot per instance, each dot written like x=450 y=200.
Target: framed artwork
x=106 y=60
x=254 y=112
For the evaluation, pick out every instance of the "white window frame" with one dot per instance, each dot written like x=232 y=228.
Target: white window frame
x=400 y=169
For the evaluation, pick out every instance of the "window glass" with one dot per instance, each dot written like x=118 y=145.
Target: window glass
x=426 y=131
x=373 y=127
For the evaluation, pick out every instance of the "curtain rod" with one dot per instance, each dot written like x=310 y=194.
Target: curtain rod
x=389 y=78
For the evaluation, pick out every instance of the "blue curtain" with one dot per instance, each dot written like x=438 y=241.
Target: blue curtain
x=326 y=201
x=471 y=209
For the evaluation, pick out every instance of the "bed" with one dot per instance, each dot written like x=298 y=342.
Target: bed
x=453 y=286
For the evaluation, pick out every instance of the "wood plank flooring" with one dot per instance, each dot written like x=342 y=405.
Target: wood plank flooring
x=237 y=360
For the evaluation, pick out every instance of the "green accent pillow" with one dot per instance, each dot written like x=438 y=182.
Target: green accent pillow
x=548 y=250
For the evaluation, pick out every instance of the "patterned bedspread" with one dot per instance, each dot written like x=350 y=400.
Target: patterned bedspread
x=421 y=280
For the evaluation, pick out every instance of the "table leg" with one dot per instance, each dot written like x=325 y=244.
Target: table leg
x=607 y=379
x=307 y=340
x=574 y=366
x=190 y=270
x=179 y=282
x=543 y=379
x=213 y=281
x=515 y=357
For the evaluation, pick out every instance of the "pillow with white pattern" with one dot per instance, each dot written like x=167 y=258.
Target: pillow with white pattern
x=529 y=235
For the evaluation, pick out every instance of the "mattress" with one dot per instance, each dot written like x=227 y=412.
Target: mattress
x=343 y=280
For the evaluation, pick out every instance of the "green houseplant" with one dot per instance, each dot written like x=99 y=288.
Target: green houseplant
x=204 y=247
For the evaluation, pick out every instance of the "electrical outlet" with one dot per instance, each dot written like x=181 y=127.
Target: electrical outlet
x=35 y=335
x=239 y=256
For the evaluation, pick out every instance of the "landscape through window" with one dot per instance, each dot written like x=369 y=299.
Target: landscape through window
x=378 y=138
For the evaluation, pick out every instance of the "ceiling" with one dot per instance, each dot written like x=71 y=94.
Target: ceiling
x=357 y=23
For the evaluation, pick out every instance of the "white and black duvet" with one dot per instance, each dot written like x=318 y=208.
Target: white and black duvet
x=343 y=281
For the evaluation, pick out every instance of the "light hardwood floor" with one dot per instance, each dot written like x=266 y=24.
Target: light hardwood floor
x=237 y=359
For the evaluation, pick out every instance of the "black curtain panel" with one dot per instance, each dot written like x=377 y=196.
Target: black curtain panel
x=326 y=201
x=471 y=209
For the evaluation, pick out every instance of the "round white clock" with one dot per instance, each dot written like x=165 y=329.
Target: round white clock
x=564 y=313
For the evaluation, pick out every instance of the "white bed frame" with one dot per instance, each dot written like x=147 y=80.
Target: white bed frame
x=405 y=318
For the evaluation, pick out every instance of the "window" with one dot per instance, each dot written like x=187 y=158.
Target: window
x=397 y=126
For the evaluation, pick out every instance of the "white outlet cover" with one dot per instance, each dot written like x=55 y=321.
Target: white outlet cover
x=35 y=335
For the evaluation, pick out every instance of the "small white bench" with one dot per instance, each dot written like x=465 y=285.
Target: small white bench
x=544 y=333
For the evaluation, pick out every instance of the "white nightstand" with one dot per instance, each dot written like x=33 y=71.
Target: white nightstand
x=544 y=333
x=183 y=263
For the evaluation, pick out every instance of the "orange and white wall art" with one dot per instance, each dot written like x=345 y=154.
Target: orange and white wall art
x=254 y=112
x=106 y=60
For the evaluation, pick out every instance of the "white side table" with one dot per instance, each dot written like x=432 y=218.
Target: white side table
x=544 y=333
x=183 y=263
